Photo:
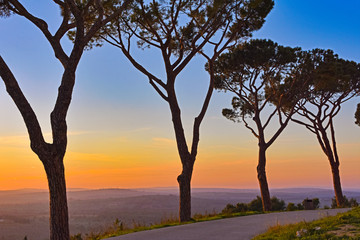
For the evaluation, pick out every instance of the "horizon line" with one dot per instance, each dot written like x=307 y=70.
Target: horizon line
x=176 y=187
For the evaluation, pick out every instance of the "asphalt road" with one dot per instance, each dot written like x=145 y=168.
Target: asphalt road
x=238 y=228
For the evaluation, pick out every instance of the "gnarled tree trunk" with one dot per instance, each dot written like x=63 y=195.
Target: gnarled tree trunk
x=261 y=174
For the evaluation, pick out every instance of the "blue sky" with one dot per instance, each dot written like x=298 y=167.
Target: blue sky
x=113 y=101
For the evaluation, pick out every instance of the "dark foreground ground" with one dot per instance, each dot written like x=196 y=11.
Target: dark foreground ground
x=25 y=212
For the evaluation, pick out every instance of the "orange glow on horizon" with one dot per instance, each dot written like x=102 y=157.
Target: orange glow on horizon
x=155 y=163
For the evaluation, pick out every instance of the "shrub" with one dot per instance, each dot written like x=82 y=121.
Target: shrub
x=347 y=203
x=229 y=209
x=316 y=203
x=76 y=237
x=277 y=204
x=256 y=205
x=291 y=207
x=353 y=202
x=242 y=207
x=300 y=206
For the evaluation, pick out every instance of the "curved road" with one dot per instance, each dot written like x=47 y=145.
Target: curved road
x=237 y=228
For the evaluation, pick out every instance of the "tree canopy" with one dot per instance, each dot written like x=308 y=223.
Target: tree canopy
x=259 y=72
x=331 y=82
x=4 y=9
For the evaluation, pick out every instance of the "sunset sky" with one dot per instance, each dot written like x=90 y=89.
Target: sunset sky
x=120 y=130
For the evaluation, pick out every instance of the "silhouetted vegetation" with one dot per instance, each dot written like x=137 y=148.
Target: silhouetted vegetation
x=260 y=74
x=331 y=81
x=357 y=115
x=316 y=203
x=84 y=19
x=347 y=203
x=179 y=31
x=291 y=207
x=277 y=204
x=255 y=205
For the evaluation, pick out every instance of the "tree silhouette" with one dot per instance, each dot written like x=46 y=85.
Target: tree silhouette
x=181 y=29
x=357 y=115
x=331 y=82
x=262 y=75
x=75 y=17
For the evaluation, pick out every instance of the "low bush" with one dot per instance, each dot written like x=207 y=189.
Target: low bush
x=277 y=204
x=347 y=203
x=291 y=207
x=255 y=206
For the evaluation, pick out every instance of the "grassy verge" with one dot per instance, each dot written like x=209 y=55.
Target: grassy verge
x=119 y=228
x=342 y=226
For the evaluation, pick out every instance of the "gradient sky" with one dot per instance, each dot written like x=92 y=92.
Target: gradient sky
x=120 y=130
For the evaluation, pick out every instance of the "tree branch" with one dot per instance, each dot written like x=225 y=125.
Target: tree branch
x=332 y=131
x=200 y=117
x=42 y=25
x=32 y=124
x=248 y=127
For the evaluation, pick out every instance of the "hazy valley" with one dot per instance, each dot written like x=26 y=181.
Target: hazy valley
x=25 y=212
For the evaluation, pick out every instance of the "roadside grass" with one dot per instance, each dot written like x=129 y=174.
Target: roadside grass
x=118 y=228
x=342 y=226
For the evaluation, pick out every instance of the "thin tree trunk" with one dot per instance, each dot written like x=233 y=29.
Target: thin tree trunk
x=184 y=180
x=333 y=158
x=261 y=173
x=337 y=185
x=335 y=169
x=59 y=222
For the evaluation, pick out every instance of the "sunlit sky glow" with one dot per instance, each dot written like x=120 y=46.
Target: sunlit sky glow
x=120 y=130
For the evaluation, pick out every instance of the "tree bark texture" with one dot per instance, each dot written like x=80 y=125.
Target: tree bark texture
x=337 y=184
x=261 y=174
x=331 y=153
x=187 y=159
x=184 y=180
x=59 y=222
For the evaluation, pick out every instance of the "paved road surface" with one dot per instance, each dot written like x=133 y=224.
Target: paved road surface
x=239 y=228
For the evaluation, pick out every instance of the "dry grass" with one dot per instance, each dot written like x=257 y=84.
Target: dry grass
x=342 y=226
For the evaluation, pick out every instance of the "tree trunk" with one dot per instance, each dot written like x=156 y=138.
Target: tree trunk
x=337 y=184
x=333 y=158
x=264 y=189
x=59 y=222
x=184 y=180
